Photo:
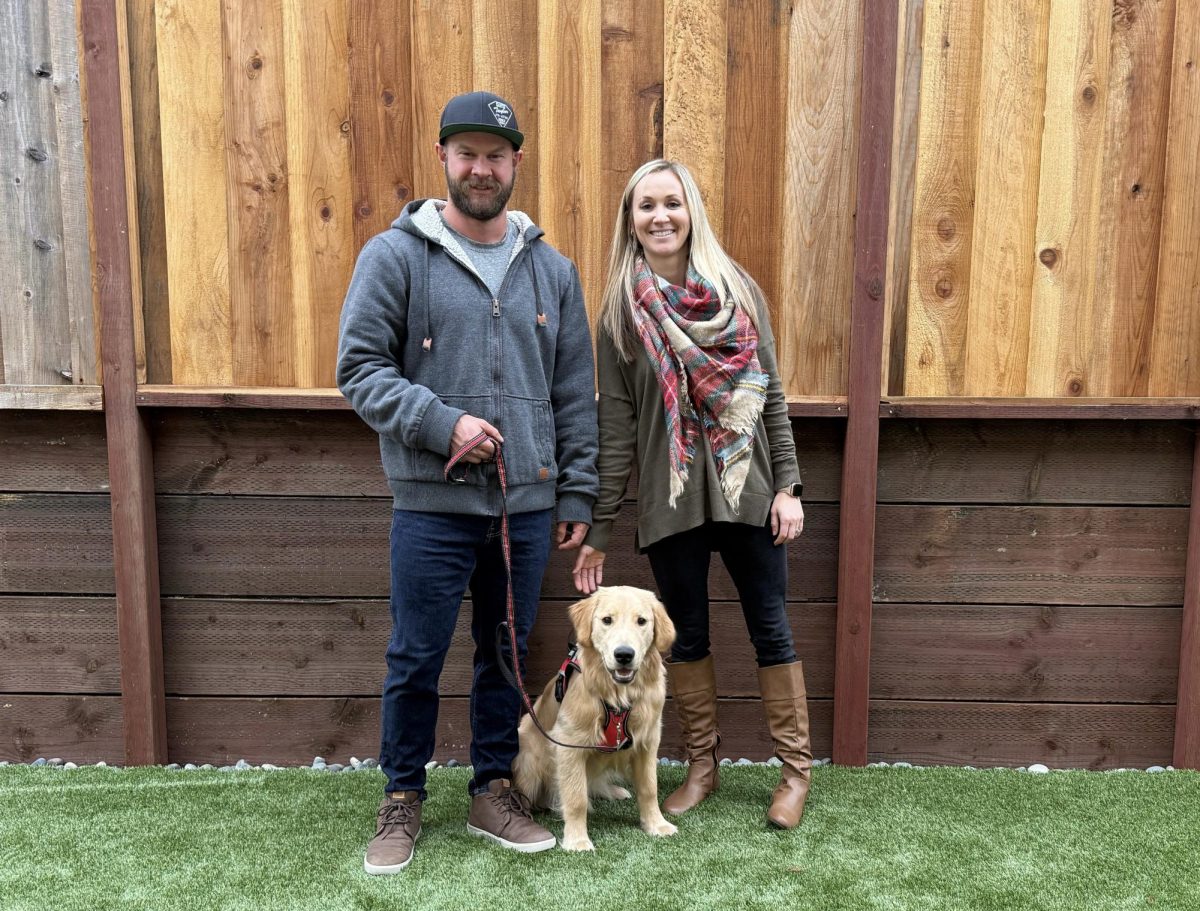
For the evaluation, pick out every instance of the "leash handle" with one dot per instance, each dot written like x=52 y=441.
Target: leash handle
x=514 y=678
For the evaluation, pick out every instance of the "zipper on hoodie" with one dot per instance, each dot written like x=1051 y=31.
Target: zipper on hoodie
x=495 y=306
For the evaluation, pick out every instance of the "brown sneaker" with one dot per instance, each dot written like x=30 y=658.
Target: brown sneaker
x=399 y=824
x=502 y=814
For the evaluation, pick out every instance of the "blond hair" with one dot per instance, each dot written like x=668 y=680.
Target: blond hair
x=705 y=255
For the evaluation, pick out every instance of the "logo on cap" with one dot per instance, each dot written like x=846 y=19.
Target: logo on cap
x=501 y=111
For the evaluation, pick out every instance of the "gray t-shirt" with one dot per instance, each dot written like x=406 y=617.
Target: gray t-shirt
x=490 y=260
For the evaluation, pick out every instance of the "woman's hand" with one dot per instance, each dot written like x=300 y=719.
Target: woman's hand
x=589 y=569
x=787 y=517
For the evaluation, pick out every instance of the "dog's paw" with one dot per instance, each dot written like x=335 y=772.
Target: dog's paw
x=577 y=844
x=615 y=792
x=659 y=828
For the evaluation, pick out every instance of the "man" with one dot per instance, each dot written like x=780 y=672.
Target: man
x=461 y=322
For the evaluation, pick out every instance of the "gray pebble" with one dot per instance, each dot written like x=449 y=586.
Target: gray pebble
x=241 y=765
x=267 y=767
x=743 y=761
x=207 y=767
x=189 y=767
x=370 y=763
x=55 y=762
x=431 y=765
x=70 y=765
x=1038 y=769
x=664 y=761
x=902 y=765
x=226 y=768
x=675 y=763
x=318 y=763
x=726 y=761
x=775 y=762
x=101 y=764
x=452 y=763
x=173 y=767
x=355 y=762
x=334 y=767
x=3 y=763
x=40 y=761
x=1156 y=768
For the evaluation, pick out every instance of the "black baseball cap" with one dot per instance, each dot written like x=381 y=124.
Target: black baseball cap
x=480 y=112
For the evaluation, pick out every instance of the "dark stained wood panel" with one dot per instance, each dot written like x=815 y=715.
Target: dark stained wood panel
x=285 y=731
x=301 y=546
x=313 y=648
x=978 y=461
x=52 y=451
x=72 y=728
x=56 y=543
x=59 y=645
x=1016 y=734
x=1024 y=653
x=1030 y=554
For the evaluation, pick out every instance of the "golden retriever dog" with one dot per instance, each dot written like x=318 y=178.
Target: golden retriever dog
x=620 y=631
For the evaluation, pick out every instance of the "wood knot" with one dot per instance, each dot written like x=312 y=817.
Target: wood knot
x=946 y=228
x=43 y=70
x=1048 y=256
x=875 y=289
x=256 y=64
x=944 y=288
x=1075 y=387
x=345 y=126
x=1089 y=93
x=43 y=244
x=388 y=99
x=1136 y=189
x=36 y=154
x=364 y=210
x=402 y=192
x=326 y=213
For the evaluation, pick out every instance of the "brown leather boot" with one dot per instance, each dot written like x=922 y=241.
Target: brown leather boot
x=694 y=686
x=786 y=706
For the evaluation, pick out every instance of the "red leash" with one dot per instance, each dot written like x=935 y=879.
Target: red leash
x=511 y=623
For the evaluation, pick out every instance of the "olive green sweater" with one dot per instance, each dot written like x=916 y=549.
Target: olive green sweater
x=632 y=425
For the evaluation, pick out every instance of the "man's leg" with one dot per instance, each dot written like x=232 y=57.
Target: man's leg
x=432 y=557
x=499 y=812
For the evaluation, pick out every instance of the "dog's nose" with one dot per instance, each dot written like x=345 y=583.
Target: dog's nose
x=624 y=655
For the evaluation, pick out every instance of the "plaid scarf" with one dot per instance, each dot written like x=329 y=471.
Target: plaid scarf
x=704 y=352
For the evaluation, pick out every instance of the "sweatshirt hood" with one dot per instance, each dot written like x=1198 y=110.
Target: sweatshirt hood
x=422 y=218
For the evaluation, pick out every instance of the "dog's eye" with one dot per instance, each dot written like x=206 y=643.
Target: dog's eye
x=607 y=621
x=642 y=621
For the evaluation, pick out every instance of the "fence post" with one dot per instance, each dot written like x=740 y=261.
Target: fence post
x=856 y=548
x=1187 y=704
x=130 y=469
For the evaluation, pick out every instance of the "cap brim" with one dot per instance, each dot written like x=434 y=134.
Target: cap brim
x=513 y=136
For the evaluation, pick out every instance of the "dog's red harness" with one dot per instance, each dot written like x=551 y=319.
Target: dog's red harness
x=616 y=721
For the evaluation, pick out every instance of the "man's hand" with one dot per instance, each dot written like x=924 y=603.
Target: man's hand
x=570 y=534
x=589 y=569
x=787 y=517
x=467 y=428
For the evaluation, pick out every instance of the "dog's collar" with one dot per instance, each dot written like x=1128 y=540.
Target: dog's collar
x=616 y=721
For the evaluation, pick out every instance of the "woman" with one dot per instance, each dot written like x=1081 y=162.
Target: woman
x=689 y=385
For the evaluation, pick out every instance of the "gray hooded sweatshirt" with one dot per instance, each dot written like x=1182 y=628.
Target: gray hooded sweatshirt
x=423 y=341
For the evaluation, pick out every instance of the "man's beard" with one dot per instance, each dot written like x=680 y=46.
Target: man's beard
x=481 y=211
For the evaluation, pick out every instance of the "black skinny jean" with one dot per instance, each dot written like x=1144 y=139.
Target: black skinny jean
x=759 y=571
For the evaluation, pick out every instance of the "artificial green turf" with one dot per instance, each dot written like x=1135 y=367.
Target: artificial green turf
x=101 y=839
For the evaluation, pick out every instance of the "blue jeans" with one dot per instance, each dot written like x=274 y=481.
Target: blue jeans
x=758 y=568
x=435 y=556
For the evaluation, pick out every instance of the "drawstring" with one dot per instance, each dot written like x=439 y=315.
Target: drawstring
x=537 y=295
x=428 y=343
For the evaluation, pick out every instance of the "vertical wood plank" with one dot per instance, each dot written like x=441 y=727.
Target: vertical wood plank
x=631 y=98
x=503 y=62
x=135 y=275
x=441 y=68
x=695 y=47
x=131 y=476
x=910 y=28
x=34 y=327
x=943 y=210
x=1006 y=189
x=256 y=167
x=569 y=115
x=756 y=97
x=1187 y=703
x=819 y=192
x=320 y=198
x=154 y=356
x=1061 y=352
x=856 y=533
x=68 y=116
x=381 y=113
x=1131 y=195
x=191 y=115
x=1175 y=355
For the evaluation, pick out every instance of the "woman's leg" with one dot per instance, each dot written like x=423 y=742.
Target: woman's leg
x=680 y=564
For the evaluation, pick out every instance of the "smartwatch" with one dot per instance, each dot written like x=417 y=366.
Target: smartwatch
x=793 y=490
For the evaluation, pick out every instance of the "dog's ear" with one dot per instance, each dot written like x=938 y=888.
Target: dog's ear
x=581 y=618
x=664 y=629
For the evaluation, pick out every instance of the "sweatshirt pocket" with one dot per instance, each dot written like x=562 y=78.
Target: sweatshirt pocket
x=528 y=429
x=426 y=465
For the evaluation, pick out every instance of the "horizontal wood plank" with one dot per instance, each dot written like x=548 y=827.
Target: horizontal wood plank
x=59 y=645
x=72 y=728
x=56 y=543
x=301 y=546
x=1016 y=734
x=240 y=397
x=1063 y=408
x=285 y=731
x=1030 y=554
x=16 y=397
x=312 y=648
x=979 y=461
x=53 y=452
x=1025 y=653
